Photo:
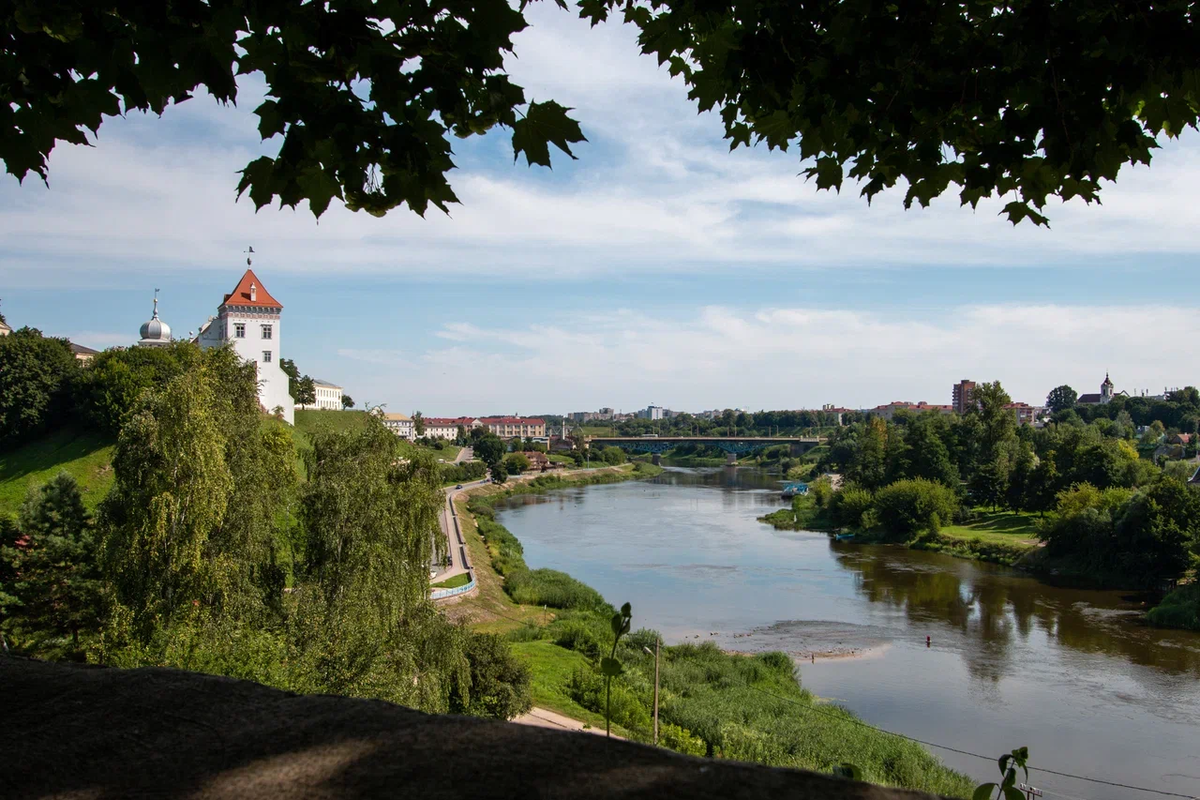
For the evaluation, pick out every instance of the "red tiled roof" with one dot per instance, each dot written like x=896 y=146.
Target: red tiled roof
x=444 y=422
x=512 y=421
x=240 y=296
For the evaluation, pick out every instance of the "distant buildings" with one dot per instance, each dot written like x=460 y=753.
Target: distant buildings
x=889 y=410
x=961 y=396
x=508 y=427
x=328 y=395
x=399 y=424
x=81 y=353
x=4 y=329
x=1026 y=414
x=651 y=412
x=447 y=427
x=1103 y=398
x=588 y=416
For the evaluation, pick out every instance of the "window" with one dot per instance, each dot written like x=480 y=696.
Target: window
x=239 y=330
x=266 y=331
x=266 y=356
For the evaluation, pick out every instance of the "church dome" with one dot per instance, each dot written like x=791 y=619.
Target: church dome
x=154 y=331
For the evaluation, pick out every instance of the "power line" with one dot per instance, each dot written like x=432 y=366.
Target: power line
x=992 y=759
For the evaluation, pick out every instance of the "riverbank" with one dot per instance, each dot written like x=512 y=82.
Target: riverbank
x=1004 y=538
x=741 y=707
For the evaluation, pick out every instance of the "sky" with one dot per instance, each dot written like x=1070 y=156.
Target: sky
x=658 y=268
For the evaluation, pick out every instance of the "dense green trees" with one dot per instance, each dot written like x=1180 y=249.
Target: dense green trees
x=50 y=569
x=1138 y=538
x=36 y=376
x=211 y=553
x=108 y=388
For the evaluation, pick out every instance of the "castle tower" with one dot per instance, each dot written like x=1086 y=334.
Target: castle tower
x=1106 y=390
x=250 y=319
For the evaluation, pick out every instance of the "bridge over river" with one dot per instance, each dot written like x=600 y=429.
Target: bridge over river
x=733 y=446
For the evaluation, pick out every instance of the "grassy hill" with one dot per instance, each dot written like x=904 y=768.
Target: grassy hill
x=84 y=454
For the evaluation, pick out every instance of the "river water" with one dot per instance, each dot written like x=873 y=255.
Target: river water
x=1010 y=661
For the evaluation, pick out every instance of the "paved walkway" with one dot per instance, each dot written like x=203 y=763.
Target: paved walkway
x=455 y=545
x=543 y=718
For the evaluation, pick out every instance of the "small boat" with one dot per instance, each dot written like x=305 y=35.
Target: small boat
x=794 y=489
x=841 y=537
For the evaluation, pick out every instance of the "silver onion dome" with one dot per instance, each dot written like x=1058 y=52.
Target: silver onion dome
x=155 y=331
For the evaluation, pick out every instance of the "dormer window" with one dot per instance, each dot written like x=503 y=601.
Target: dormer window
x=253 y=293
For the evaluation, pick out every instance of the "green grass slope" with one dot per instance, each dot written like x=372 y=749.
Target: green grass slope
x=86 y=455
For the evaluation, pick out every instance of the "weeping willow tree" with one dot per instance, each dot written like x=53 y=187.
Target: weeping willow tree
x=362 y=621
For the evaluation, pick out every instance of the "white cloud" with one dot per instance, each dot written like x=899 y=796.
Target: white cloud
x=793 y=358
x=656 y=191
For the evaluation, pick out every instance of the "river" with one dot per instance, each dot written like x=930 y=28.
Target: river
x=1010 y=661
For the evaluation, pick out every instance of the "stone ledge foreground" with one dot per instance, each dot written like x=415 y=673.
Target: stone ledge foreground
x=88 y=732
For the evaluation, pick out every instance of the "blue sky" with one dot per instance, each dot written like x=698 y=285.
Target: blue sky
x=658 y=267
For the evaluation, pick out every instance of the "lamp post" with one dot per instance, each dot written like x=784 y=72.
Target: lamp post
x=655 y=654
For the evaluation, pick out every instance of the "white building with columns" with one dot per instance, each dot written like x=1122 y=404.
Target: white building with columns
x=249 y=319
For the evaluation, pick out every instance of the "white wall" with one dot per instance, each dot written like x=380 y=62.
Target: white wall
x=272 y=380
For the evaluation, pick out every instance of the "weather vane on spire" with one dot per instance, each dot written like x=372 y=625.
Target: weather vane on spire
x=249 y=250
x=155 y=304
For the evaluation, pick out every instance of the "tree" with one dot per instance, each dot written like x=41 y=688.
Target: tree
x=302 y=388
x=57 y=585
x=500 y=682
x=499 y=471
x=107 y=390
x=366 y=97
x=866 y=97
x=1061 y=398
x=347 y=401
x=612 y=456
x=418 y=423
x=490 y=448
x=1019 y=492
x=907 y=507
x=172 y=490
x=1156 y=530
x=35 y=379
x=516 y=463
x=460 y=437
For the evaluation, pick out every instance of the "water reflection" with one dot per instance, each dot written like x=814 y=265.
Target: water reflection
x=998 y=608
x=1069 y=672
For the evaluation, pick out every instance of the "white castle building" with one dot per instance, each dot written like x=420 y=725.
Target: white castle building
x=250 y=318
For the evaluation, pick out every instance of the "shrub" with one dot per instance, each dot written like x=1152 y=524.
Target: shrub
x=909 y=506
x=680 y=739
x=577 y=635
x=548 y=587
x=1179 y=609
x=499 y=681
x=848 y=505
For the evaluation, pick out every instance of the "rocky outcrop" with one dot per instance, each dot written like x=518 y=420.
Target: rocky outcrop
x=87 y=732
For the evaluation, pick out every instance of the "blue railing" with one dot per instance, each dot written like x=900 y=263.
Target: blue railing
x=442 y=594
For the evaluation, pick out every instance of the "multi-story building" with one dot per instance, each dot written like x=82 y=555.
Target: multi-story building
x=651 y=412
x=447 y=427
x=889 y=410
x=328 y=395
x=399 y=424
x=508 y=427
x=961 y=396
x=249 y=318
x=1026 y=414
